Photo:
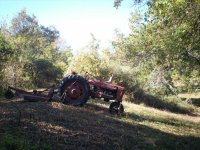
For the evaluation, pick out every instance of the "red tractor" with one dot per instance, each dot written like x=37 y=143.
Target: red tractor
x=76 y=90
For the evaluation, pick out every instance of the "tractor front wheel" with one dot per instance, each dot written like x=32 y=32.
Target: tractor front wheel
x=116 y=108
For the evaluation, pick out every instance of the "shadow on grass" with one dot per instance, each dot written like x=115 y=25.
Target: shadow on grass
x=152 y=101
x=195 y=101
x=163 y=121
x=83 y=128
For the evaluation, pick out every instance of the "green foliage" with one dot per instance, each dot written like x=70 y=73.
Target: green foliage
x=36 y=59
x=87 y=62
x=45 y=73
x=5 y=54
x=5 y=49
x=160 y=55
x=90 y=61
x=161 y=52
x=177 y=24
x=117 y=3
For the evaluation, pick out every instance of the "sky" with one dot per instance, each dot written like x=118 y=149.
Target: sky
x=76 y=20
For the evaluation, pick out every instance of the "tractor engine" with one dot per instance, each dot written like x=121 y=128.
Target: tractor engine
x=108 y=91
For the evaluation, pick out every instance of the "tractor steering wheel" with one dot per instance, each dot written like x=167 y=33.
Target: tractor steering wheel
x=88 y=75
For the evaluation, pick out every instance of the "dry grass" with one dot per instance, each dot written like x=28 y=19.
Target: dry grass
x=152 y=112
x=177 y=124
x=92 y=127
x=189 y=95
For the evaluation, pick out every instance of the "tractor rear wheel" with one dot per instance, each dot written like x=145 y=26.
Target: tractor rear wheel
x=74 y=90
x=116 y=108
x=9 y=94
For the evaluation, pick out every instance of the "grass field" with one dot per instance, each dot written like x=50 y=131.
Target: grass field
x=52 y=125
x=190 y=95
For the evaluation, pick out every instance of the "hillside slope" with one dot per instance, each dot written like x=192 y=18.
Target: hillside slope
x=42 y=125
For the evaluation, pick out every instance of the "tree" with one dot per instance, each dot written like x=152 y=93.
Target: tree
x=34 y=46
x=44 y=73
x=117 y=3
x=166 y=39
x=5 y=54
x=5 y=50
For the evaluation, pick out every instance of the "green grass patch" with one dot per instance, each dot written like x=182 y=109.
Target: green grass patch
x=169 y=103
x=177 y=102
x=11 y=142
x=12 y=139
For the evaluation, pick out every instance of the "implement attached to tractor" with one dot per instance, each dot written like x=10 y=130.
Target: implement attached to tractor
x=45 y=95
x=76 y=90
